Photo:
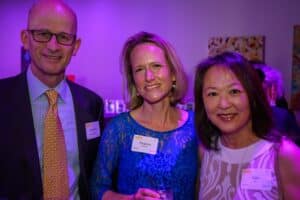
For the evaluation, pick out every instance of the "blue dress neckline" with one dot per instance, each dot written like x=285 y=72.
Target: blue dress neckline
x=156 y=131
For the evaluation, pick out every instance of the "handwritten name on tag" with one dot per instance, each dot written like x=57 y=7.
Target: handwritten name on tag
x=92 y=130
x=144 y=144
x=257 y=179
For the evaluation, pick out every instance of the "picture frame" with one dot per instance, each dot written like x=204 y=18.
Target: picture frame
x=251 y=47
x=295 y=90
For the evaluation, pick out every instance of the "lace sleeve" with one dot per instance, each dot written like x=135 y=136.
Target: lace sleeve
x=106 y=162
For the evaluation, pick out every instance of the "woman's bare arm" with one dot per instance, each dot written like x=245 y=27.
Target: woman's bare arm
x=289 y=169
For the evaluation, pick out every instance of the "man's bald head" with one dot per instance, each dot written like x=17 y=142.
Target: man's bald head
x=56 y=7
x=51 y=39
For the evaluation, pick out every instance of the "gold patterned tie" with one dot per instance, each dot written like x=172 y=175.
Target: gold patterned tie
x=55 y=171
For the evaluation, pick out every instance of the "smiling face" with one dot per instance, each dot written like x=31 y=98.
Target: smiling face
x=226 y=101
x=50 y=59
x=151 y=73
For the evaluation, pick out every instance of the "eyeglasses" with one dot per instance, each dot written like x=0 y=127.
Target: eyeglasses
x=45 y=36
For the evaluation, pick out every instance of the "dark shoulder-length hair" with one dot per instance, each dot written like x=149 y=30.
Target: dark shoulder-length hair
x=180 y=85
x=259 y=108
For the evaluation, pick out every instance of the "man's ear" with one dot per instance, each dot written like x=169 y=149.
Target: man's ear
x=25 y=39
x=76 y=47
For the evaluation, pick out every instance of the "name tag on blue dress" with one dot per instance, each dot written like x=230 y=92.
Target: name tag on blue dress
x=144 y=144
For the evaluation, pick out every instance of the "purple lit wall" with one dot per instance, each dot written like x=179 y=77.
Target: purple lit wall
x=104 y=25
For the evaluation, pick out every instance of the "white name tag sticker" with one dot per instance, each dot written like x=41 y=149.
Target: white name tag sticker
x=144 y=144
x=257 y=179
x=92 y=130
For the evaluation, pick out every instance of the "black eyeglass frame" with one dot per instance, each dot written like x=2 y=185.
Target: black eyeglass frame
x=57 y=36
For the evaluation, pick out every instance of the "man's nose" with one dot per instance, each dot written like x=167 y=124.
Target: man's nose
x=53 y=44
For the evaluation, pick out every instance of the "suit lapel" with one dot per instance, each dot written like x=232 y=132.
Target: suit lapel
x=26 y=133
x=81 y=116
x=87 y=109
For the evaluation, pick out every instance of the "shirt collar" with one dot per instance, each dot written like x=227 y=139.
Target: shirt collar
x=38 y=88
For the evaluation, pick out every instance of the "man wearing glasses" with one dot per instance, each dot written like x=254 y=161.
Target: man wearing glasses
x=40 y=104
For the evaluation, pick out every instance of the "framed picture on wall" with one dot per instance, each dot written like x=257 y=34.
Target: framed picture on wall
x=25 y=59
x=251 y=47
x=295 y=92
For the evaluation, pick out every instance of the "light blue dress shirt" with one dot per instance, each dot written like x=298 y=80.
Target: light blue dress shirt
x=39 y=104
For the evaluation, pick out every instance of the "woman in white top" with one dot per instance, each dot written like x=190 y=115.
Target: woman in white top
x=242 y=157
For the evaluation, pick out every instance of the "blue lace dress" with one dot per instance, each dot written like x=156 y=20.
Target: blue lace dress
x=174 y=166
